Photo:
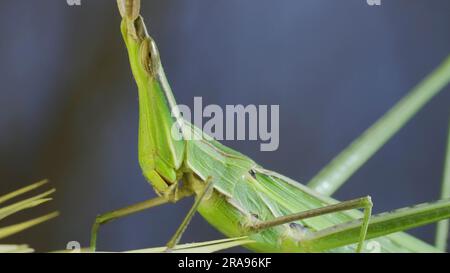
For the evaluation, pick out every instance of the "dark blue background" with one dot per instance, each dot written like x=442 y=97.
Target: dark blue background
x=69 y=104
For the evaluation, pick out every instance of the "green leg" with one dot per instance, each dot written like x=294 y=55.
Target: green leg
x=172 y=195
x=364 y=203
x=182 y=228
x=443 y=226
x=116 y=214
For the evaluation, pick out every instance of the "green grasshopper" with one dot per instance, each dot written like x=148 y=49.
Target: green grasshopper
x=240 y=198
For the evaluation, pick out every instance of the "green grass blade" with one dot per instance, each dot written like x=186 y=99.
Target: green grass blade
x=21 y=191
x=25 y=204
x=203 y=247
x=443 y=226
x=332 y=176
x=380 y=225
x=15 y=249
x=10 y=230
x=19 y=206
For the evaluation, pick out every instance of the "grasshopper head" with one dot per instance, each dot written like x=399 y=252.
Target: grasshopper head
x=135 y=32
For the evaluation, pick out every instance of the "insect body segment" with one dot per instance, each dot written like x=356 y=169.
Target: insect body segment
x=160 y=155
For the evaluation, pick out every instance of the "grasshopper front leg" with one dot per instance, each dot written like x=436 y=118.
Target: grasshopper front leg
x=132 y=209
x=182 y=228
x=151 y=203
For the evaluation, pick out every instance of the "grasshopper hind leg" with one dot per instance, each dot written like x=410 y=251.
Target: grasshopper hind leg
x=364 y=203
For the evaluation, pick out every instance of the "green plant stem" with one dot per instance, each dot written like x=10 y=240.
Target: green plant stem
x=443 y=226
x=344 y=165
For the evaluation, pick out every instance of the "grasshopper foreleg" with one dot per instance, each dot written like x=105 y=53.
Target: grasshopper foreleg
x=116 y=214
x=177 y=236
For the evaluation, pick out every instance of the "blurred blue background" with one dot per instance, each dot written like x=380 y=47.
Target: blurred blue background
x=69 y=104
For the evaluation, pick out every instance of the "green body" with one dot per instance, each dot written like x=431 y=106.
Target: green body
x=244 y=192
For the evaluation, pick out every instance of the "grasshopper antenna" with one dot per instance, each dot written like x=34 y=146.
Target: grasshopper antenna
x=130 y=10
